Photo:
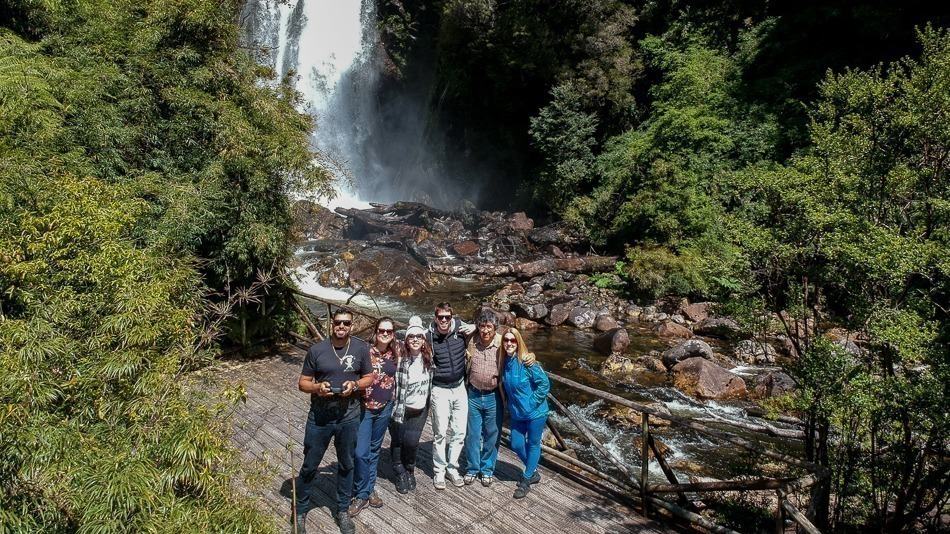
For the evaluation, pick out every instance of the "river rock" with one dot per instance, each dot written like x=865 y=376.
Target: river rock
x=605 y=322
x=526 y=325
x=698 y=311
x=612 y=341
x=520 y=222
x=721 y=327
x=533 y=290
x=678 y=319
x=313 y=221
x=466 y=248
x=691 y=348
x=650 y=363
x=387 y=271
x=559 y=312
x=633 y=313
x=617 y=366
x=704 y=379
x=581 y=317
x=629 y=418
x=773 y=384
x=674 y=330
x=754 y=352
x=531 y=311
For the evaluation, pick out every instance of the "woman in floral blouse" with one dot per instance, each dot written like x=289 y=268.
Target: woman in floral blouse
x=385 y=354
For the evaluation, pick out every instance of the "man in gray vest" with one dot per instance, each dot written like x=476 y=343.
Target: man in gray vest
x=449 y=401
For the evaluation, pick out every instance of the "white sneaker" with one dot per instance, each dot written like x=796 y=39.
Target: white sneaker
x=439 y=481
x=457 y=480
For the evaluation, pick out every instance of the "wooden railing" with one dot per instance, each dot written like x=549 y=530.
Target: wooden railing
x=635 y=484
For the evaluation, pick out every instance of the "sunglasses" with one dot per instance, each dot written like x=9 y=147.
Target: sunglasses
x=509 y=340
x=344 y=322
x=384 y=331
x=444 y=317
x=415 y=336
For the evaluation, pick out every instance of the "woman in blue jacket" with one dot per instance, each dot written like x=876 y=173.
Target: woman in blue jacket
x=526 y=390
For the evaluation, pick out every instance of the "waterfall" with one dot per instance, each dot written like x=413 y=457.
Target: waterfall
x=330 y=50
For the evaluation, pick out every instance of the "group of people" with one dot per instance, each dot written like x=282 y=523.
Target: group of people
x=466 y=376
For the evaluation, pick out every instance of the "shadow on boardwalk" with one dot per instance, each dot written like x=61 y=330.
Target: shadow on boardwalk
x=268 y=428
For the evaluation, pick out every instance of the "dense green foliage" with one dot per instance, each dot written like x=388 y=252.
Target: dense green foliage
x=789 y=159
x=144 y=172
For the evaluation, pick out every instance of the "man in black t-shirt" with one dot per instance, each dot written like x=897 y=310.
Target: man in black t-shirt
x=333 y=371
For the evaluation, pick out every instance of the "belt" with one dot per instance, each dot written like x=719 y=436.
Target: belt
x=480 y=390
x=455 y=384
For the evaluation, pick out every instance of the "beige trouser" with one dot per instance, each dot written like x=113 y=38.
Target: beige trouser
x=449 y=419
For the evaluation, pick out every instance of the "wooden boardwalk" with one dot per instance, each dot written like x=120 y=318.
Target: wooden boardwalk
x=270 y=425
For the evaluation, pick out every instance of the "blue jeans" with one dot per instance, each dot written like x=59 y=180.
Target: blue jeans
x=369 y=441
x=316 y=439
x=526 y=442
x=484 y=430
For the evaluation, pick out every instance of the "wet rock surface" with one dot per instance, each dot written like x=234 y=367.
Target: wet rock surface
x=704 y=379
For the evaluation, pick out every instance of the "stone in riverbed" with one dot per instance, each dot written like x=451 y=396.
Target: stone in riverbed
x=721 y=327
x=581 y=317
x=529 y=310
x=654 y=365
x=520 y=222
x=755 y=352
x=466 y=248
x=670 y=329
x=690 y=348
x=559 y=312
x=613 y=341
x=605 y=322
x=699 y=377
x=629 y=418
x=773 y=384
x=697 y=311
x=387 y=271
x=526 y=325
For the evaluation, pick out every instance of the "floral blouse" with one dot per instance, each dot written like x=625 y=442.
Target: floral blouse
x=380 y=392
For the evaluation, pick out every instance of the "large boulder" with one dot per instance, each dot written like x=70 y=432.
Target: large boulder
x=559 y=312
x=691 y=348
x=673 y=330
x=387 y=271
x=697 y=311
x=520 y=222
x=704 y=379
x=605 y=322
x=533 y=311
x=313 y=221
x=581 y=317
x=755 y=352
x=612 y=341
x=773 y=384
x=721 y=327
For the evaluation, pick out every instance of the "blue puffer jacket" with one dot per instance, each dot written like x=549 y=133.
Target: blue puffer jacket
x=526 y=389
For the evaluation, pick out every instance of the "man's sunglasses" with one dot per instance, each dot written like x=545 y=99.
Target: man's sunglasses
x=444 y=317
x=344 y=322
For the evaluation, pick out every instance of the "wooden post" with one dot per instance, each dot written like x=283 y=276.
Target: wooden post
x=329 y=320
x=779 y=514
x=312 y=328
x=644 y=460
x=557 y=436
x=243 y=331
x=667 y=470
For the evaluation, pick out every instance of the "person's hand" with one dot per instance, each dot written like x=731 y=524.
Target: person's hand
x=529 y=359
x=467 y=329
x=323 y=389
x=348 y=388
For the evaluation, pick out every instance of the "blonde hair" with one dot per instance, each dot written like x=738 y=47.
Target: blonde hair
x=522 y=350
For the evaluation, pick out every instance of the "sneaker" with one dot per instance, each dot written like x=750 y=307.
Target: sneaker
x=345 y=522
x=412 y=481
x=301 y=524
x=469 y=479
x=523 y=488
x=455 y=479
x=357 y=507
x=486 y=481
x=375 y=501
x=439 y=482
x=402 y=483
x=535 y=478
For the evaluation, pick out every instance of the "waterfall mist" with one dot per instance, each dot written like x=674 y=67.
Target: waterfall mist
x=390 y=145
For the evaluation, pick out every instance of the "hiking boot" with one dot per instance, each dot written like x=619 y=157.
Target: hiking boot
x=412 y=481
x=301 y=524
x=455 y=479
x=535 y=478
x=375 y=501
x=402 y=483
x=523 y=488
x=357 y=507
x=345 y=522
x=439 y=482
x=469 y=479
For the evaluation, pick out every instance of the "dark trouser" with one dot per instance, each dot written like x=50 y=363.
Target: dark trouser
x=404 y=439
x=369 y=440
x=315 y=443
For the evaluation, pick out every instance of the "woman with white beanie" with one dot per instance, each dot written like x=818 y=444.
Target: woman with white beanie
x=411 y=407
